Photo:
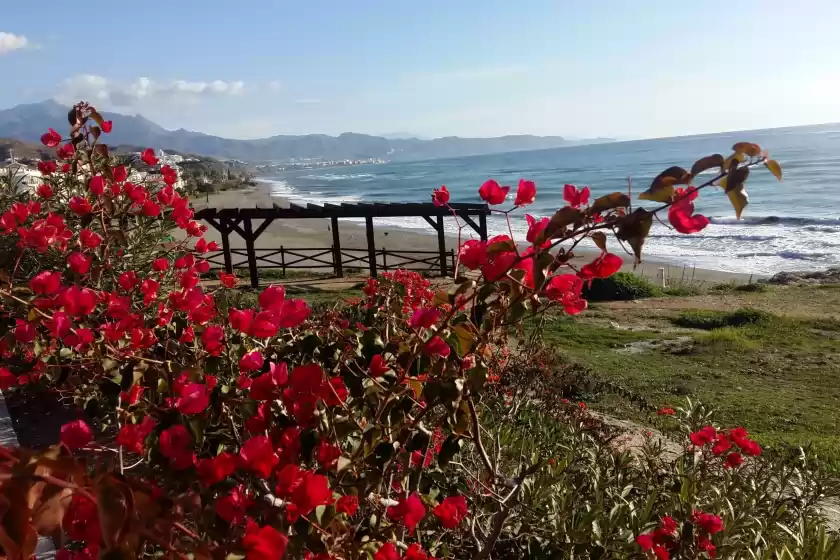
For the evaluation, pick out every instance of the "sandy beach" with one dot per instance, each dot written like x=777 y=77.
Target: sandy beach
x=309 y=233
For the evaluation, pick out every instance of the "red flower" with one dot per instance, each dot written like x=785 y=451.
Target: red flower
x=310 y=491
x=387 y=552
x=451 y=511
x=257 y=455
x=150 y=209
x=132 y=436
x=603 y=267
x=440 y=197
x=272 y=298
x=51 y=138
x=526 y=192
x=681 y=213
x=703 y=436
x=119 y=173
x=535 y=228
x=232 y=508
x=227 y=280
x=76 y=434
x=261 y=325
x=733 y=460
x=47 y=167
x=7 y=379
x=707 y=522
x=409 y=511
x=492 y=193
x=645 y=541
x=293 y=313
x=107 y=126
x=378 y=366
x=79 y=263
x=132 y=396
x=252 y=361
x=574 y=197
x=24 y=332
x=176 y=445
x=327 y=454
x=415 y=552
x=212 y=471
x=347 y=504
x=96 y=185
x=66 y=151
x=128 y=280
x=193 y=399
x=562 y=285
x=473 y=254
x=80 y=205
x=437 y=347
x=705 y=545
x=722 y=444
x=668 y=525
x=666 y=411
x=160 y=264
x=424 y=318
x=44 y=191
x=89 y=239
x=81 y=520
x=148 y=157
x=213 y=338
x=263 y=543
x=45 y=283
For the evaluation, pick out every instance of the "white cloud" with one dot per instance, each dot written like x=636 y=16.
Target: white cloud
x=10 y=42
x=143 y=90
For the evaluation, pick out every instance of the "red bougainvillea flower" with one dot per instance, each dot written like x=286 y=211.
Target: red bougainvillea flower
x=703 y=436
x=424 y=318
x=645 y=541
x=437 y=347
x=176 y=445
x=81 y=521
x=666 y=411
x=24 y=332
x=327 y=454
x=89 y=239
x=148 y=157
x=566 y=289
x=193 y=399
x=378 y=366
x=473 y=254
x=535 y=228
x=387 y=552
x=227 y=280
x=66 y=151
x=415 y=552
x=707 y=522
x=51 y=138
x=722 y=444
x=293 y=313
x=310 y=491
x=119 y=173
x=451 y=511
x=574 y=197
x=409 y=511
x=44 y=191
x=213 y=338
x=526 y=192
x=440 y=197
x=107 y=126
x=347 y=504
x=257 y=455
x=733 y=460
x=80 y=206
x=132 y=396
x=7 y=379
x=707 y=546
x=150 y=209
x=272 y=298
x=493 y=193
x=604 y=266
x=263 y=543
x=740 y=437
x=160 y=264
x=214 y=470
x=252 y=361
x=76 y=434
x=45 y=283
x=233 y=507
x=47 y=167
x=96 y=185
x=681 y=213
x=79 y=263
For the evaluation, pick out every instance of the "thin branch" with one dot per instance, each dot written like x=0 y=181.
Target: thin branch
x=477 y=438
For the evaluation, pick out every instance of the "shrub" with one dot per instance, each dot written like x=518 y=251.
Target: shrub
x=375 y=429
x=621 y=286
x=707 y=319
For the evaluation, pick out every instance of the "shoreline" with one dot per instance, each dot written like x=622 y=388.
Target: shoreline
x=315 y=233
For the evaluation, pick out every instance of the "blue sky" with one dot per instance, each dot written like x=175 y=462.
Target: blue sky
x=255 y=68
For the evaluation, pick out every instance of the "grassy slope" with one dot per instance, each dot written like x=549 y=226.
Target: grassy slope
x=780 y=378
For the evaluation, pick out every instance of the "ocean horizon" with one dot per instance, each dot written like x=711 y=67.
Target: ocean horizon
x=792 y=225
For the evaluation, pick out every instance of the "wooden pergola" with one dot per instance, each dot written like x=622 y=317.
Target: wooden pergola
x=241 y=221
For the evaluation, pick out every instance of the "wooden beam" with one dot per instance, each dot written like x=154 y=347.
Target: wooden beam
x=470 y=222
x=261 y=229
x=252 y=254
x=339 y=269
x=371 y=243
x=226 y=246
x=441 y=246
x=432 y=222
x=482 y=223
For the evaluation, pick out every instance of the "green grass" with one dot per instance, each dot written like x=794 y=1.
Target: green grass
x=621 y=286
x=777 y=376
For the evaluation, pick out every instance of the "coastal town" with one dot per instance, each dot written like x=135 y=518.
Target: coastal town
x=319 y=164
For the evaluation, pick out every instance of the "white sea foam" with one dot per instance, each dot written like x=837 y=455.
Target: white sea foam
x=338 y=176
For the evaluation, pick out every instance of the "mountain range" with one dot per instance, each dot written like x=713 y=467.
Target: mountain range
x=29 y=121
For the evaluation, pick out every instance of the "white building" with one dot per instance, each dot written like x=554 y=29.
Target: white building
x=21 y=177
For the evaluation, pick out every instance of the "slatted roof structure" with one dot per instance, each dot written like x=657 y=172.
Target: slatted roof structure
x=240 y=221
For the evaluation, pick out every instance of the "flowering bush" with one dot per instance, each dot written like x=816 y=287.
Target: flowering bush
x=208 y=430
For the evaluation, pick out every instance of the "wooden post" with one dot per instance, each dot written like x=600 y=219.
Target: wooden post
x=225 y=231
x=252 y=253
x=482 y=223
x=441 y=246
x=337 y=265
x=384 y=259
x=371 y=245
x=283 y=260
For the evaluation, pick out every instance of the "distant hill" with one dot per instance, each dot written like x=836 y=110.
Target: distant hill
x=28 y=122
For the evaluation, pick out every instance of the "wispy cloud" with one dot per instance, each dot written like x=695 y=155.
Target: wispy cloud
x=10 y=42
x=143 y=90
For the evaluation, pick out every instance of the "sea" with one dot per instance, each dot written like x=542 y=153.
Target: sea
x=792 y=225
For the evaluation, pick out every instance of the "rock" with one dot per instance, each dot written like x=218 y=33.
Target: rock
x=787 y=278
